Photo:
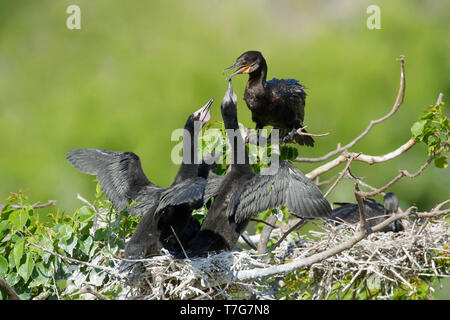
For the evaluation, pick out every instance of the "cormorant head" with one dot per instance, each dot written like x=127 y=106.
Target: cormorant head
x=390 y=202
x=247 y=63
x=229 y=103
x=203 y=115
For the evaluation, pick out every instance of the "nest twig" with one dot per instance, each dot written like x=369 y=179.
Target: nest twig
x=382 y=261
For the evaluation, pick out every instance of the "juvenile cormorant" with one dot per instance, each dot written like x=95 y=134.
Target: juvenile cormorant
x=241 y=193
x=279 y=102
x=122 y=180
x=374 y=212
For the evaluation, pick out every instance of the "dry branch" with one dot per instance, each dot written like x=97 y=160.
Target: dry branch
x=9 y=290
x=37 y=205
x=396 y=106
x=360 y=157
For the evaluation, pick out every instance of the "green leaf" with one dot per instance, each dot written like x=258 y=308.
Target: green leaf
x=440 y=161
x=15 y=220
x=86 y=245
x=85 y=214
x=68 y=246
x=418 y=128
x=64 y=231
x=26 y=269
x=3 y=225
x=18 y=251
x=3 y=266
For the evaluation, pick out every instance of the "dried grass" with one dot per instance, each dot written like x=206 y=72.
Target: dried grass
x=382 y=260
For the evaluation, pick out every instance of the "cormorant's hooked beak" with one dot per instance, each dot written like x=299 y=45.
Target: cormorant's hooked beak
x=241 y=69
x=203 y=112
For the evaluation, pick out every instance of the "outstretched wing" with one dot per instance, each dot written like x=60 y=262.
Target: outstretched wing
x=212 y=186
x=119 y=173
x=188 y=192
x=289 y=186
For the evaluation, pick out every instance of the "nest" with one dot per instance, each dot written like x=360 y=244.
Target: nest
x=382 y=260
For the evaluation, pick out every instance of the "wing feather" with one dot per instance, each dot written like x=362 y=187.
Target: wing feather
x=289 y=186
x=120 y=174
x=189 y=191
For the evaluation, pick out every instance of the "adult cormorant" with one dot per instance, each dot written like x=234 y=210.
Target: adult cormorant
x=374 y=212
x=279 y=102
x=122 y=180
x=241 y=193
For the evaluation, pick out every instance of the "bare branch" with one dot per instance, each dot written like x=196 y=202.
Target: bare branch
x=402 y=173
x=303 y=133
x=360 y=157
x=265 y=234
x=341 y=175
x=358 y=236
x=179 y=242
x=79 y=197
x=305 y=262
x=362 y=216
x=37 y=205
x=396 y=106
x=296 y=226
x=9 y=289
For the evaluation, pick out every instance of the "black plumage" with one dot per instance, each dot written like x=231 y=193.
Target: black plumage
x=122 y=179
x=374 y=212
x=279 y=102
x=241 y=193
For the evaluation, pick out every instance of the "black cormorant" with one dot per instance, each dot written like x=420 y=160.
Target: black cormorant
x=241 y=193
x=374 y=212
x=279 y=102
x=122 y=180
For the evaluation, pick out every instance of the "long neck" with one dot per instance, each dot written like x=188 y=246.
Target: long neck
x=258 y=77
x=189 y=165
x=240 y=160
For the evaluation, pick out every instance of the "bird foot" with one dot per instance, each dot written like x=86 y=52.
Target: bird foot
x=289 y=137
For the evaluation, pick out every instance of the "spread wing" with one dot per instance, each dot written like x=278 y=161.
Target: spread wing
x=188 y=192
x=213 y=185
x=119 y=173
x=289 y=186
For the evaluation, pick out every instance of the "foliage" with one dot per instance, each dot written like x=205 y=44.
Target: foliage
x=93 y=238
x=83 y=236
x=432 y=128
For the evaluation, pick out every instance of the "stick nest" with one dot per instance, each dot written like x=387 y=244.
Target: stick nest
x=383 y=261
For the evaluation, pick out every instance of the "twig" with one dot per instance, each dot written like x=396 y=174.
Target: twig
x=341 y=175
x=79 y=197
x=303 y=133
x=179 y=242
x=296 y=226
x=303 y=262
x=362 y=216
x=396 y=106
x=403 y=173
x=9 y=289
x=263 y=221
x=37 y=205
x=89 y=289
x=360 y=157
x=265 y=234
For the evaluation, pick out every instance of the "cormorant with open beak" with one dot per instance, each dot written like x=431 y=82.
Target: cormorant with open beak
x=279 y=102
x=165 y=210
x=242 y=193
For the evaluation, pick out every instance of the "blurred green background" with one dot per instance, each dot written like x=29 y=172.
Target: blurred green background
x=136 y=70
